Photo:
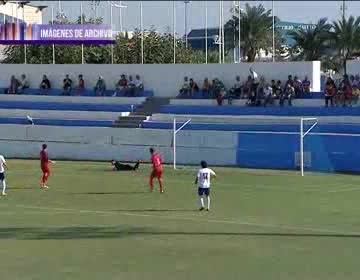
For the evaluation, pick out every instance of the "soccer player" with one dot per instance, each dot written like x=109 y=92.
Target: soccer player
x=157 y=170
x=117 y=166
x=2 y=174
x=44 y=160
x=203 y=182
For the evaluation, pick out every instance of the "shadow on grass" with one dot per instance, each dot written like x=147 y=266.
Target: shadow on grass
x=85 y=232
x=156 y=210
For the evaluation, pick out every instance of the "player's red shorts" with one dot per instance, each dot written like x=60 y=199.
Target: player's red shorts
x=45 y=169
x=156 y=174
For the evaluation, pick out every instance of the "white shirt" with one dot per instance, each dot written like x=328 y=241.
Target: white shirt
x=138 y=83
x=203 y=176
x=2 y=161
x=268 y=91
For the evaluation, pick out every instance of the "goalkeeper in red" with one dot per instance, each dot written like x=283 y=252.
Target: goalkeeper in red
x=157 y=170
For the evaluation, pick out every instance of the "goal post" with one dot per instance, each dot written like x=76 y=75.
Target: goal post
x=302 y=136
x=175 y=132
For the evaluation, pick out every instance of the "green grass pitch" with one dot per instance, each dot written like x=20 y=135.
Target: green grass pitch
x=97 y=224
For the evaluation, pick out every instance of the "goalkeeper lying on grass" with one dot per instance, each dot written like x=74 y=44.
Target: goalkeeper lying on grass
x=117 y=166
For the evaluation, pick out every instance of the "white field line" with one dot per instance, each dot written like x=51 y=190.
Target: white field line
x=192 y=219
x=345 y=190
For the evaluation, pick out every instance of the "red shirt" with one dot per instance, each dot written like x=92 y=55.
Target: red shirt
x=156 y=162
x=44 y=159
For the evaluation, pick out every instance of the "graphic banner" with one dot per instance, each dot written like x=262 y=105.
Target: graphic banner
x=74 y=34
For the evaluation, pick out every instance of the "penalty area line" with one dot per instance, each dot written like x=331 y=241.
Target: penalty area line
x=193 y=219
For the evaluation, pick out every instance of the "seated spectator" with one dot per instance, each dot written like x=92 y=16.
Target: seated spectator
x=194 y=89
x=268 y=95
x=218 y=88
x=220 y=97
x=330 y=91
x=139 y=85
x=67 y=85
x=247 y=87
x=45 y=85
x=346 y=90
x=131 y=87
x=185 y=89
x=278 y=90
x=81 y=85
x=289 y=94
x=14 y=84
x=298 y=87
x=306 y=85
x=273 y=86
x=23 y=84
x=206 y=88
x=100 y=87
x=235 y=91
x=121 y=86
x=289 y=81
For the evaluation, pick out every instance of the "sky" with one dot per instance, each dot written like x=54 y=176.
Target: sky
x=159 y=13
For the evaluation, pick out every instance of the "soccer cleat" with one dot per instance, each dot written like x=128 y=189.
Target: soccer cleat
x=201 y=208
x=208 y=209
x=44 y=187
x=4 y=194
x=162 y=191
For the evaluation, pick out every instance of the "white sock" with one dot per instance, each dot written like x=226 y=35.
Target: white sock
x=201 y=202
x=208 y=202
x=4 y=186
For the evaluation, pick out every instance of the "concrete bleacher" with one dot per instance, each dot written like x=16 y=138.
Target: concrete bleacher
x=85 y=92
x=242 y=102
x=65 y=110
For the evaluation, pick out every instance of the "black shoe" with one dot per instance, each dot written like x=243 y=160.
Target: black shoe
x=208 y=209
x=201 y=209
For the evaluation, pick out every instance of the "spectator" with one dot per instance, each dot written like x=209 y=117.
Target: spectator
x=290 y=81
x=298 y=87
x=100 y=87
x=81 y=85
x=45 y=85
x=247 y=87
x=206 y=88
x=130 y=87
x=260 y=89
x=67 y=85
x=278 y=90
x=273 y=87
x=356 y=89
x=23 y=84
x=330 y=91
x=185 y=89
x=14 y=84
x=235 y=91
x=220 y=97
x=121 y=86
x=254 y=79
x=139 y=85
x=346 y=89
x=268 y=95
x=306 y=85
x=194 y=88
x=218 y=89
x=289 y=94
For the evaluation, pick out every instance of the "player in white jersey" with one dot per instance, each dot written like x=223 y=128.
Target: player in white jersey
x=203 y=182
x=2 y=174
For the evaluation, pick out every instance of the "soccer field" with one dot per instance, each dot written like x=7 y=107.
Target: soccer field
x=97 y=224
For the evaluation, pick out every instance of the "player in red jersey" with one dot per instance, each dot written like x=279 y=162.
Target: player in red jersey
x=44 y=160
x=157 y=170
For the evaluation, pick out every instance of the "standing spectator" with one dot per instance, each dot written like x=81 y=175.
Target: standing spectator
x=100 y=87
x=67 y=85
x=346 y=89
x=206 y=88
x=45 y=85
x=121 y=86
x=81 y=85
x=306 y=85
x=356 y=89
x=139 y=85
x=298 y=87
x=268 y=95
x=330 y=91
x=194 y=88
x=185 y=89
x=23 y=84
x=14 y=84
x=255 y=80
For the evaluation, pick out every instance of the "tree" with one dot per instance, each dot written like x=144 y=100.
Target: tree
x=312 y=44
x=345 y=38
x=256 y=24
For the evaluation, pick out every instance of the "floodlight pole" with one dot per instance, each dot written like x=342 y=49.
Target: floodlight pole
x=206 y=32
x=82 y=22
x=174 y=31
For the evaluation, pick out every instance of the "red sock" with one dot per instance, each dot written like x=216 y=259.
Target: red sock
x=151 y=183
